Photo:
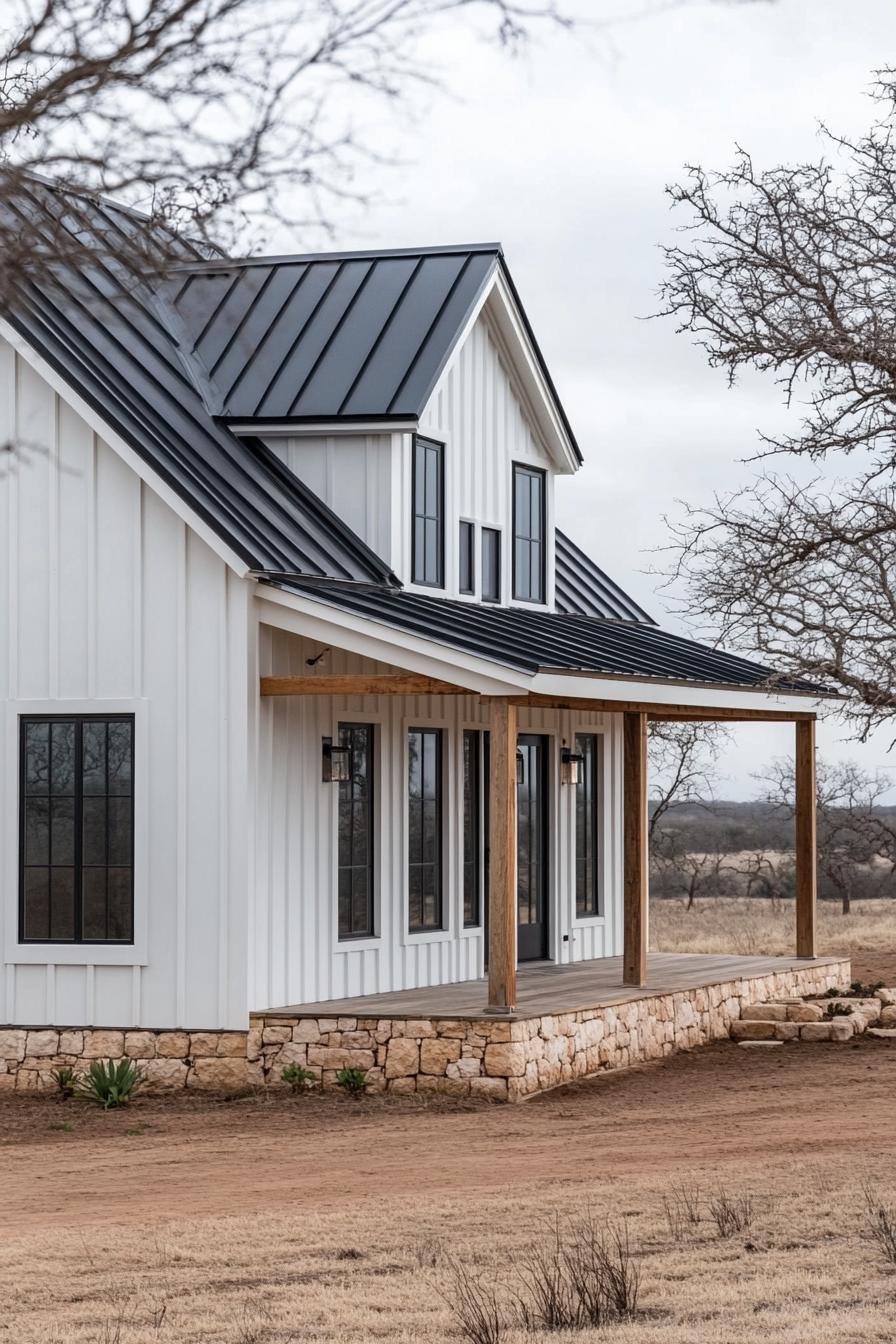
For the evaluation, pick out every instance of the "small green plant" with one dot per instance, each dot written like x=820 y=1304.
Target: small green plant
x=109 y=1082
x=838 y=1010
x=859 y=991
x=353 y=1081
x=300 y=1079
x=65 y=1081
x=62 y=1125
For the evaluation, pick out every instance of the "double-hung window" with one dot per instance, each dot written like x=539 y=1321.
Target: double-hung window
x=76 y=838
x=356 y=827
x=588 y=895
x=424 y=829
x=428 y=507
x=528 y=533
x=473 y=827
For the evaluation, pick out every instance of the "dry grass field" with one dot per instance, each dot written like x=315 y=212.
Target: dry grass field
x=267 y=1220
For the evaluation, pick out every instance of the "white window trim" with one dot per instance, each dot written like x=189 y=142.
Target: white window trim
x=448 y=932
x=76 y=954
x=604 y=823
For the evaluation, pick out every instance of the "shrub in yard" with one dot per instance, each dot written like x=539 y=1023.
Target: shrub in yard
x=682 y=1209
x=473 y=1301
x=299 y=1078
x=109 y=1082
x=731 y=1213
x=838 y=1010
x=579 y=1275
x=352 y=1080
x=880 y=1221
x=65 y=1082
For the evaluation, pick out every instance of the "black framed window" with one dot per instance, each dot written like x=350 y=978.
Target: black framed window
x=76 y=840
x=472 y=828
x=428 y=509
x=466 y=565
x=588 y=896
x=356 y=832
x=424 y=829
x=528 y=533
x=491 y=564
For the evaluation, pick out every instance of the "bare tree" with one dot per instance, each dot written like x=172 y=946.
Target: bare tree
x=682 y=759
x=853 y=833
x=791 y=271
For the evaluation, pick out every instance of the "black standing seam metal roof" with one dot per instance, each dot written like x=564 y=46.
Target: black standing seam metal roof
x=582 y=589
x=539 y=641
x=109 y=337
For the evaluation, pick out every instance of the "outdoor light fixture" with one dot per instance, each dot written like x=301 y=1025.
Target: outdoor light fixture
x=336 y=763
x=520 y=767
x=569 y=766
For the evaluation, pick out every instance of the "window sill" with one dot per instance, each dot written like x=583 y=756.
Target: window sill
x=427 y=936
x=75 y=954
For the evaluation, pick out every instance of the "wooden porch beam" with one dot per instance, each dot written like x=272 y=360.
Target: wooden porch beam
x=662 y=713
x=805 y=839
x=391 y=683
x=634 y=849
x=502 y=917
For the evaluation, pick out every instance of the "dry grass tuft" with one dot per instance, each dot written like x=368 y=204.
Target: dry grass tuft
x=741 y=927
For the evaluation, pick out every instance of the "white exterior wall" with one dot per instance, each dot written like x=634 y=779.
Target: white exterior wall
x=108 y=600
x=295 y=952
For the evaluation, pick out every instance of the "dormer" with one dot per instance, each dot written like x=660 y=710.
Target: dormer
x=406 y=389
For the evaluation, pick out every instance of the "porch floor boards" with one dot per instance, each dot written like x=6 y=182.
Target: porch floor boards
x=546 y=988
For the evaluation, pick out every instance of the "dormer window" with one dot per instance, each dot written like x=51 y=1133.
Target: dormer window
x=528 y=534
x=428 y=544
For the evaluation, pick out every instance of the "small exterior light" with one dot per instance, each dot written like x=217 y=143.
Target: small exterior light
x=569 y=766
x=336 y=762
x=520 y=767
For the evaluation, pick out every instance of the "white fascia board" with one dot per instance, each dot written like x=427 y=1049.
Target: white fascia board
x=294 y=430
x=383 y=643
x=136 y=463
x=670 y=693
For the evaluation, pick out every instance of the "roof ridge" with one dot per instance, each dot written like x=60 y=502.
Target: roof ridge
x=339 y=254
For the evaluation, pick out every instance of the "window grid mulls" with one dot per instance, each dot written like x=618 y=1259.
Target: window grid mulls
x=428 y=547
x=424 y=829
x=528 y=533
x=76 y=843
x=356 y=834
x=587 y=827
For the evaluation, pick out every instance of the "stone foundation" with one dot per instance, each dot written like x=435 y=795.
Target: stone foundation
x=801 y=1020
x=511 y=1060
x=484 y=1057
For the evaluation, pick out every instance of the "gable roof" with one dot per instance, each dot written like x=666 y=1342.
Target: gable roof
x=110 y=336
x=583 y=589
x=539 y=641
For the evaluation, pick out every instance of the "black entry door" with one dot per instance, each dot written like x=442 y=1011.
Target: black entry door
x=532 y=847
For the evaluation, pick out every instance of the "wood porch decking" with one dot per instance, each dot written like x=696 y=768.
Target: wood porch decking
x=547 y=988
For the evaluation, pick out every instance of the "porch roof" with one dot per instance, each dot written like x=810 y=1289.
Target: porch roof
x=532 y=640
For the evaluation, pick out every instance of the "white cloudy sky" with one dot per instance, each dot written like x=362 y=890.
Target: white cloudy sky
x=563 y=156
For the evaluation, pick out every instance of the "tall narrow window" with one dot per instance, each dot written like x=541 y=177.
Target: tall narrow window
x=528 y=533
x=587 y=857
x=356 y=834
x=491 y=564
x=76 y=844
x=472 y=828
x=424 y=829
x=466 y=573
x=428 y=541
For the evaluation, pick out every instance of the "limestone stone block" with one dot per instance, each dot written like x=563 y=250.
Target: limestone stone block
x=7 y=1082
x=103 y=1044
x=505 y=1061
x=356 y=1040
x=307 y=1030
x=376 y=1080
x=884 y=1033
x=886 y=996
x=805 y=1012
x=502 y=1033
x=42 y=1043
x=173 y=1044
x=70 y=1043
x=163 y=1075
x=464 y=1068
x=451 y=1087
x=752 y=1031
x=293 y=1052
x=418 y=1027
x=232 y=1043
x=12 y=1044
x=435 y=1056
x=787 y=1031
x=454 y=1029
x=328 y=1057
x=888 y=1016
x=253 y=1044
x=842 y=1029
x=764 y=1012
x=817 y=1031
x=402 y=1057
x=220 y=1074
x=327 y=1024
x=204 y=1043
x=495 y=1089
x=346 y=1024
x=140 y=1044
x=402 y=1086
x=272 y=1036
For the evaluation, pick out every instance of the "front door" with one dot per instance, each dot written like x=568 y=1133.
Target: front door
x=532 y=847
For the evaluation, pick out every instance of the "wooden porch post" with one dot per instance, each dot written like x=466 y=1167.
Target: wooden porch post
x=634 y=804
x=805 y=838
x=502 y=858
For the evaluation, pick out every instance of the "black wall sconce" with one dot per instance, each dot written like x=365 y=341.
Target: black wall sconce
x=336 y=762
x=569 y=766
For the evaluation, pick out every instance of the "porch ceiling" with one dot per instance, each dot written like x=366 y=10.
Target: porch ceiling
x=546 y=988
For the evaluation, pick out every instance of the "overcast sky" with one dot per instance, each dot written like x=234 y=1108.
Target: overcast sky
x=563 y=156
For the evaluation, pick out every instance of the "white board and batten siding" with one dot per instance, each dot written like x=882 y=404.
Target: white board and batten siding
x=111 y=602
x=295 y=952
x=477 y=411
